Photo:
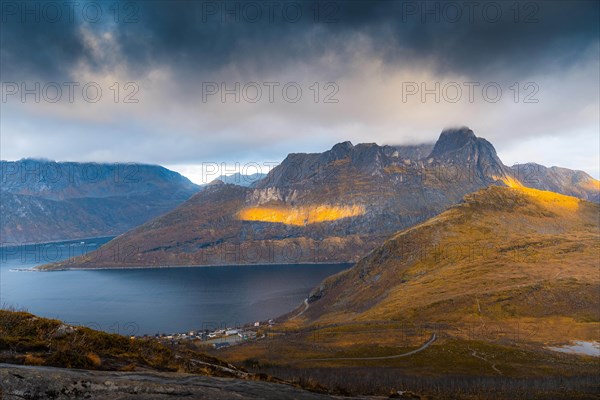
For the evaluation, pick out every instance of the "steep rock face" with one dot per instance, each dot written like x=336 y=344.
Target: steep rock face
x=453 y=140
x=46 y=200
x=460 y=150
x=333 y=206
x=412 y=153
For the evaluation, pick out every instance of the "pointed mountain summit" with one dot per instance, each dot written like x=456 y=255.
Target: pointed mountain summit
x=453 y=139
x=460 y=147
x=333 y=206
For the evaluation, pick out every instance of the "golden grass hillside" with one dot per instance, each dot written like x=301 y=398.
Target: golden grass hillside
x=503 y=253
x=498 y=279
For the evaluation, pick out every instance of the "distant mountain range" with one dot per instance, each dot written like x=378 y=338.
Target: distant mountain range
x=334 y=206
x=46 y=200
x=241 y=179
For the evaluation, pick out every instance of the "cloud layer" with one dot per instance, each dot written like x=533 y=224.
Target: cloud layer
x=297 y=76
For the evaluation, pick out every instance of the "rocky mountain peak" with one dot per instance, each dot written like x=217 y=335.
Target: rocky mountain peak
x=453 y=139
x=216 y=182
x=338 y=152
x=342 y=149
x=460 y=148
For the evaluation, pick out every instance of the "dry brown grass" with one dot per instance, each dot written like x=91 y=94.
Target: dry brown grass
x=30 y=359
x=513 y=270
x=27 y=339
x=94 y=359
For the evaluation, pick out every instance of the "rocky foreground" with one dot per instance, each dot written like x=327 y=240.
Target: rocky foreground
x=41 y=383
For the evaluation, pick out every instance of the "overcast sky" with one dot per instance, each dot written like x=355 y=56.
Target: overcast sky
x=185 y=83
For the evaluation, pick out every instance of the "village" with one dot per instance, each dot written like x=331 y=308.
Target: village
x=218 y=338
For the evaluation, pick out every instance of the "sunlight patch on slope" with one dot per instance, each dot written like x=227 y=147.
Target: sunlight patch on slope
x=510 y=182
x=553 y=200
x=300 y=215
x=549 y=199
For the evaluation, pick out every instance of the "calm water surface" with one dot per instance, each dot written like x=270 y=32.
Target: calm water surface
x=149 y=301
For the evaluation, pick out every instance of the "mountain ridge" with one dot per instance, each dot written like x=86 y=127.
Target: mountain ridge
x=45 y=200
x=333 y=206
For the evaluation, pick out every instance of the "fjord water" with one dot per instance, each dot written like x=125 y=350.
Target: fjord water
x=149 y=301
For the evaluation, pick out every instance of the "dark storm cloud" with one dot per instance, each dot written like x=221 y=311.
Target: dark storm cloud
x=192 y=37
x=369 y=49
x=527 y=36
x=36 y=49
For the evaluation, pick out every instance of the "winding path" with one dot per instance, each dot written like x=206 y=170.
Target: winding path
x=474 y=354
x=303 y=311
x=426 y=345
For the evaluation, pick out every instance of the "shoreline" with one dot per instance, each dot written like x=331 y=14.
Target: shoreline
x=11 y=245
x=35 y=269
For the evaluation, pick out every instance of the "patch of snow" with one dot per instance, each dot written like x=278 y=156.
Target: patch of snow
x=580 y=347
